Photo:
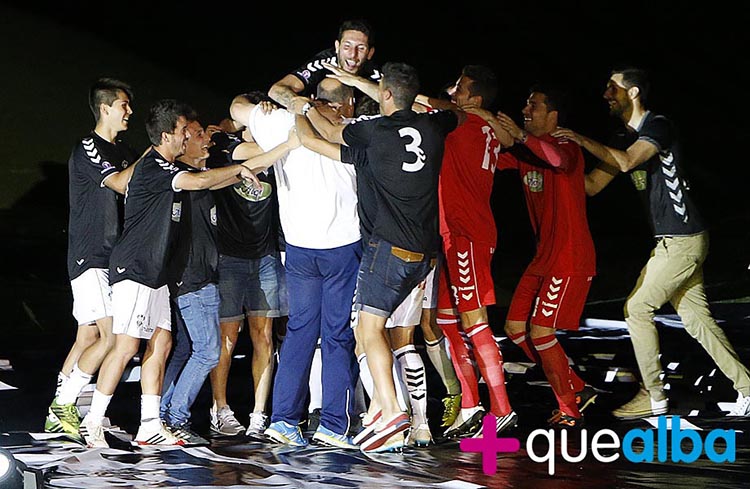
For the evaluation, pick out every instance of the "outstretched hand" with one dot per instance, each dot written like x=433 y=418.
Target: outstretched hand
x=568 y=134
x=343 y=76
x=249 y=177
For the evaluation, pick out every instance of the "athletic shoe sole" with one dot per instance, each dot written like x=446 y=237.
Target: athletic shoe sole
x=330 y=441
x=395 y=425
x=468 y=427
x=367 y=430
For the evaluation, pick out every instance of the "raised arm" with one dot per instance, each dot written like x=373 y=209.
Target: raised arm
x=368 y=87
x=637 y=153
x=203 y=180
x=284 y=90
x=119 y=181
x=258 y=160
x=312 y=140
x=330 y=132
x=549 y=152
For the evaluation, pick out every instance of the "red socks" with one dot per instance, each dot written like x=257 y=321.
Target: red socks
x=462 y=360
x=565 y=383
x=490 y=363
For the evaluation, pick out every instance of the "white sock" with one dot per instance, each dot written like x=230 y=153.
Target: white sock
x=315 y=383
x=73 y=386
x=61 y=379
x=413 y=375
x=402 y=392
x=150 y=408
x=99 y=405
x=437 y=351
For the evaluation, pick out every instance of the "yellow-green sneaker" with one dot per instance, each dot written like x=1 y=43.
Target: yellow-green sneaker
x=67 y=417
x=452 y=405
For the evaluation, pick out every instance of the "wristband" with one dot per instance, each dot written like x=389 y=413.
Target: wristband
x=306 y=108
x=523 y=138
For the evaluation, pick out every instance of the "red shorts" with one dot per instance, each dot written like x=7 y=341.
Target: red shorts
x=554 y=301
x=466 y=283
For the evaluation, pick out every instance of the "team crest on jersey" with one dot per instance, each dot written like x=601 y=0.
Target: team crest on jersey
x=124 y=164
x=212 y=215
x=254 y=194
x=176 y=211
x=534 y=180
x=639 y=179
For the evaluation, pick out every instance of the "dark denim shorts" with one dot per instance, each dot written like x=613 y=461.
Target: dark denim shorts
x=387 y=274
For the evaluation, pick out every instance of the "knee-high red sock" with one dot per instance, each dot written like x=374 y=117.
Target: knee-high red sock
x=524 y=342
x=490 y=363
x=558 y=372
x=461 y=359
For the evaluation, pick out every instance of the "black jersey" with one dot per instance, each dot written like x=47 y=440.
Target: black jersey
x=404 y=153
x=312 y=72
x=153 y=211
x=94 y=220
x=248 y=221
x=366 y=197
x=197 y=239
x=662 y=185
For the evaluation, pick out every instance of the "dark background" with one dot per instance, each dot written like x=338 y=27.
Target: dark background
x=205 y=54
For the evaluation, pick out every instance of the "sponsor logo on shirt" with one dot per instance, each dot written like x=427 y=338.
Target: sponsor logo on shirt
x=639 y=179
x=176 y=211
x=254 y=194
x=212 y=214
x=534 y=180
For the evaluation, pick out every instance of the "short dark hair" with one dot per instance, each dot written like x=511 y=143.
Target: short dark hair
x=635 y=77
x=403 y=82
x=483 y=83
x=358 y=25
x=104 y=91
x=554 y=97
x=163 y=116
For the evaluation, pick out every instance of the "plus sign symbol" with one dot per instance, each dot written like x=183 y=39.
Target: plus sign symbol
x=489 y=445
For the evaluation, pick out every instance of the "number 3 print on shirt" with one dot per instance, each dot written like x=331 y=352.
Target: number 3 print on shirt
x=413 y=147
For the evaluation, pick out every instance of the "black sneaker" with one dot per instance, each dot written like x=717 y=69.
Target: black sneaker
x=189 y=437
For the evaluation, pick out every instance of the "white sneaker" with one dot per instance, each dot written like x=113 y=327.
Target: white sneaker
x=257 y=424
x=741 y=407
x=156 y=434
x=92 y=433
x=223 y=422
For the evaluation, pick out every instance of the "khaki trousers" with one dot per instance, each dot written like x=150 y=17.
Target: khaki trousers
x=674 y=273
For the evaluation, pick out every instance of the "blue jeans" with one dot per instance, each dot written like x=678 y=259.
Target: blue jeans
x=322 y=282
x=196 y=352
x=387 y=275
x=252 y=287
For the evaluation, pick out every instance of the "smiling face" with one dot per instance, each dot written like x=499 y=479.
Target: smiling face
x=460 y=93
x=352 y=50
x=617 y=97
x=196 y=146
x=116 y=115
x=176 y=141
x=537 y=118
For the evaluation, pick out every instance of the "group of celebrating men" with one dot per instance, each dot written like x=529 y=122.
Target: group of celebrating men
x=359 y=210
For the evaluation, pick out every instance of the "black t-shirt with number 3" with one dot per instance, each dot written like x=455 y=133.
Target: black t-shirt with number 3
x=404 y=152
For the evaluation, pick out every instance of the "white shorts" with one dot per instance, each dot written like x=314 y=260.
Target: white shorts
x=409 y=312
x=138 y=310
x=92 y=296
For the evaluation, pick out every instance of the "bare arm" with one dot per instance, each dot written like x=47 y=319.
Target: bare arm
x=312 y=141
x=637 y=153
x=368 y=87
x=329 y=131
x=506 y=140
x=211 y=178
x=284 y=90
x=551 y=153
x=599 y=177
x=119 y=181
x=264 y=159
